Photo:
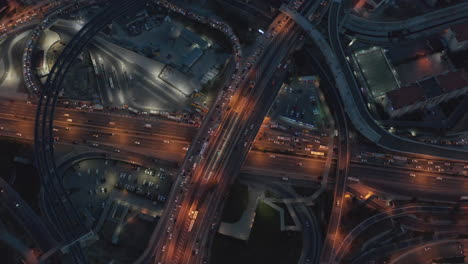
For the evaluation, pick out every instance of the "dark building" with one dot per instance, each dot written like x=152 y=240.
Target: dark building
x=3 y=6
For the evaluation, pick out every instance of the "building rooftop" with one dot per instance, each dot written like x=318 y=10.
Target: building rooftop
x=431 y=87
x=406 y=96
x=401 y=53
x=453 y=80
x=460 y=31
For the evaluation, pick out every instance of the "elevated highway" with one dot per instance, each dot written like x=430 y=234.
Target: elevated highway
x=69 y=227
x=26 y=217
x=398 y=31
x=398 y=212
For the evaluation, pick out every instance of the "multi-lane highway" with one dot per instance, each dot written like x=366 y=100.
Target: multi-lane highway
x=401 y=211
x=397 y=31
x=222 y=148
x=26 y=217
x=18 y=117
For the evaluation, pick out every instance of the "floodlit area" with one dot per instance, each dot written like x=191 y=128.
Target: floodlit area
x=143 y=71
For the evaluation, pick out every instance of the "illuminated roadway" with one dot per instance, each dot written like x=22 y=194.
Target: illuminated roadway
x=398 y=212
x=225 y=151
x=65 y=217
x=26 y=216
x=396 y=31
x=18 y=117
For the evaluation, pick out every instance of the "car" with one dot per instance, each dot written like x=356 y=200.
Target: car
x=412 y=175
x=137 y=142
x=19 y=134
x=167 y=141
x=299 y=164
x=95 y=145
x=272 y=156
x=439 y=178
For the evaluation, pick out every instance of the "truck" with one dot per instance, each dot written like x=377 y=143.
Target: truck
x=193 y=215
x=133 y=110
x=147 y=125
x=111 y=83
x=96 y=70
x=400 y=158
x=353 y=179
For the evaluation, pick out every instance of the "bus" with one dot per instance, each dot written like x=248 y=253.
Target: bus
x=318 y=153
x=192 y=222
x=203 y=148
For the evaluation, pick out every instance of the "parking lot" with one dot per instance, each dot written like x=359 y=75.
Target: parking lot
x=300 y=103
x=97 y=183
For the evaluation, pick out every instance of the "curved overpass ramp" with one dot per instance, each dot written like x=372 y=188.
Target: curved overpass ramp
x=408 y=29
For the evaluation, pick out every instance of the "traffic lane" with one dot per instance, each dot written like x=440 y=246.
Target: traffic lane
x=424 y=185
x=426 y=253
x=235 y=161
x=102 y=119
x=100 y=122
x=263 y=163
x=288 y=163
x=23 y=213
x=210 y=157
x=180 y=130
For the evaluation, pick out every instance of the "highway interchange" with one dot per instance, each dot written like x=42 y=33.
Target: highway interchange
x=227 y=137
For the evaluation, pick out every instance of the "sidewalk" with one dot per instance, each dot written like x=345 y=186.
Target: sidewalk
x=241 y=229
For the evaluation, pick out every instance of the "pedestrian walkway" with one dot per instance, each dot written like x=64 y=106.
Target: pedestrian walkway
x=241 y=229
